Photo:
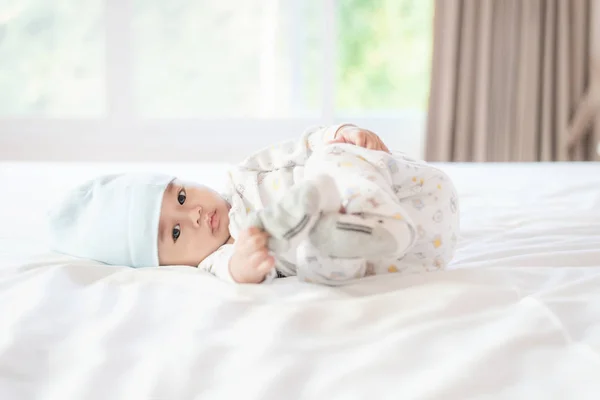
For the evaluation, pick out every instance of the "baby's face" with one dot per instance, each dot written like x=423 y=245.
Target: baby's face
x=194 y=222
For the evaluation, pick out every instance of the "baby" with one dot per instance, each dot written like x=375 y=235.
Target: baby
x=330 y=208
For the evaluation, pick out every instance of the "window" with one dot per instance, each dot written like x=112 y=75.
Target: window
x=256 y=58
x=52 y=58
x=383 y=58
x=182 y=76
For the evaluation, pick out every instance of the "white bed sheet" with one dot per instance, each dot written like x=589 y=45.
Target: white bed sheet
x=516 y=316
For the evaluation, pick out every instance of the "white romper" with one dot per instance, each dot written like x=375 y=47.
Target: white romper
x=385 y=188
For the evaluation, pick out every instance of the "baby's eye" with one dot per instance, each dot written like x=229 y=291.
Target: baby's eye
x=181 y=196
x=176 y=232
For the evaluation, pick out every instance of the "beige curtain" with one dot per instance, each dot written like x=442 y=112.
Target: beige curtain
x=515 y=80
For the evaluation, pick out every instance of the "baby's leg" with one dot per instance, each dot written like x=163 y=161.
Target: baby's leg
x=289 y=221
x=436 y=215
x=314 y=267
x=351 y=236
x=375 y=223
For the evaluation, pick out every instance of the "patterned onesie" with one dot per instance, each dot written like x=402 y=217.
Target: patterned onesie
x=390 y=189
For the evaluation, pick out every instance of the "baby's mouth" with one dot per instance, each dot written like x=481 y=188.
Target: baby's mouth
x=212 y=221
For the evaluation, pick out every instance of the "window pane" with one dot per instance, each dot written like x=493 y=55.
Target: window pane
x=214 y=58
x=384 y=53
x=51 y=58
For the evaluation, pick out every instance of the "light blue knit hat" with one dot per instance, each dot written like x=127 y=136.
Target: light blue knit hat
x=112 y=219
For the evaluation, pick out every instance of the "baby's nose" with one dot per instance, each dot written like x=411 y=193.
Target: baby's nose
x=194 y=215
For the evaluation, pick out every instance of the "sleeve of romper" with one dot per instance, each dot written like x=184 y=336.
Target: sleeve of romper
x=290 y=153
x=217 y=264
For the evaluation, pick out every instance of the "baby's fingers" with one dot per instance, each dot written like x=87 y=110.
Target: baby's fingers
x=361 y=139
x=372 y=144
x=253 y=240
x=266 y=265
x=246 y=234
x=384 y=147
x=258 y=242
x=257 y=258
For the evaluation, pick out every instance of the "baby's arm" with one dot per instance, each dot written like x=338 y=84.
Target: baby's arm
x=290 y=153
x=293 y=153
x=246 y=261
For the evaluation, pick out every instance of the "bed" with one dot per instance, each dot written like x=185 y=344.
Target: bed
x=516 y=316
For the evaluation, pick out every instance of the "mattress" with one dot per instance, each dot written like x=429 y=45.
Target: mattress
x=516 y=315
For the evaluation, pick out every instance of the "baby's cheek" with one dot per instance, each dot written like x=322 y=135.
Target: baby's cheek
x=190 y=253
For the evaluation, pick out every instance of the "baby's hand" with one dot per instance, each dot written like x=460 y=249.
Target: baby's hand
x=359 y=137
x=251 y=262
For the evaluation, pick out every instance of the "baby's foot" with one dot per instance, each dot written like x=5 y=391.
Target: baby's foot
x=314 y=267
x=352 y=236
x=290 y=220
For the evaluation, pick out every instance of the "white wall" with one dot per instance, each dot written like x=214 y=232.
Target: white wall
x=228 y=140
